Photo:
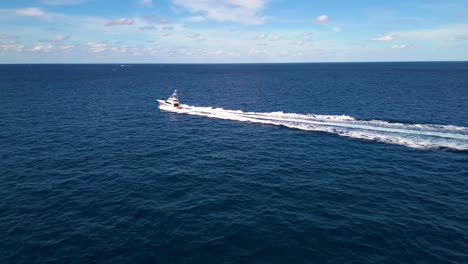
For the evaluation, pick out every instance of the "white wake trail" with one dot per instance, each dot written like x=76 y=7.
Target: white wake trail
x=423 y=136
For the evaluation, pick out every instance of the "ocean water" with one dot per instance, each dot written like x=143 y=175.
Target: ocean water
x=266 y=163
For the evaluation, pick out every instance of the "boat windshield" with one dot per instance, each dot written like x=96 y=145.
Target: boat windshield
x=174 y=96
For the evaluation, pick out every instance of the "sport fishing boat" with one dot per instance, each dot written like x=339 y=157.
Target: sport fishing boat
x=172 y=101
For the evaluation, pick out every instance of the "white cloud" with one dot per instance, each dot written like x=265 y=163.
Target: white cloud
x=153 y=17
x=121 y=22
x=275 y=37
x=240 y=11
x=65 y=47
x=30 y=11
x=256 y=52
x=233 y=53
x=11 y=46
x=383 y=38
x=149 y=28
x=162 y=27
x=399 y=46
x=261 y=36
x=197 y=37
x=298 y=42
x=321 y=19
x=48 y=47
x=436 y=34
x=58 y=38
x=214 y=52
x=6 y=36
x=43 y=47
x=121 y=49
x=146 y=2
x=195 y=19
x=265 y=36
x=96 y=47
x=336 y=29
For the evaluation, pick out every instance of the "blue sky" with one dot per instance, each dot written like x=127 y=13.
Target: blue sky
x=212 y=31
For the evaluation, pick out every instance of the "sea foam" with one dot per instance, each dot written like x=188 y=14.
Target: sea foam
x=422 y=136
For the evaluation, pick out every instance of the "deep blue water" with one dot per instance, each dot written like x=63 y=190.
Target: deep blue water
x=92 y=171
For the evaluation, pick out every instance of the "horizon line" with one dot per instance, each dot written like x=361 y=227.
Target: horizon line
x=215 y=63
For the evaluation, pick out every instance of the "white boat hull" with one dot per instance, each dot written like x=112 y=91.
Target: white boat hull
x=172 y=101
x=167 y=104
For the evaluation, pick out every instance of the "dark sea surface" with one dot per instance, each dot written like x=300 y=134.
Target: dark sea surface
x=332 y=163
